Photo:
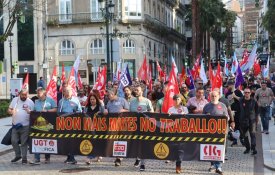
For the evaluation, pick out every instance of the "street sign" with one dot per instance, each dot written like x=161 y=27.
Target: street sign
x=15 y=85
x=94 y=62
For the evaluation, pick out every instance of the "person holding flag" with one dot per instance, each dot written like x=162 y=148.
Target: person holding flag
x=43 y=104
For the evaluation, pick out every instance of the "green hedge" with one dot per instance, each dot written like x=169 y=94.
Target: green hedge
x=4 y=105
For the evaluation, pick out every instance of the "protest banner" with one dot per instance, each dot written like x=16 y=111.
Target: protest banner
x=129 y=134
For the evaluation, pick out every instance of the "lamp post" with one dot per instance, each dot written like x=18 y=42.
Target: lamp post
x=11 y=66
x=107 y=9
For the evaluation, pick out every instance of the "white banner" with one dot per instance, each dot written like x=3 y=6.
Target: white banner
x=120 y=148
x=212 y=152
x=44 y=146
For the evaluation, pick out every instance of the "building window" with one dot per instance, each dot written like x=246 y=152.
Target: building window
x=95 y=10
x=129 y=47
x=65 y=10
x=155 y=50
x=149 y=48
x=67 y=48
x=97 y=47
x=133 y=9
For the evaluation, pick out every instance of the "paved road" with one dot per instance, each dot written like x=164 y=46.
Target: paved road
x=238 y=164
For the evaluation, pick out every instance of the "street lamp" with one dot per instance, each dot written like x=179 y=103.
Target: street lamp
x=11 y=65
x=107 y=8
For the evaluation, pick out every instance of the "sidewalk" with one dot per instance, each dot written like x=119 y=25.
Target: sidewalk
x=268 y=142
x=5 y=125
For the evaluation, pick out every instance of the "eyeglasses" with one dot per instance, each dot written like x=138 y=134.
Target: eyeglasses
x=247 y=92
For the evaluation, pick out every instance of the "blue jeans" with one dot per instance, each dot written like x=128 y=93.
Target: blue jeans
x=37 y=156
x=217 y=164
x=264 y=114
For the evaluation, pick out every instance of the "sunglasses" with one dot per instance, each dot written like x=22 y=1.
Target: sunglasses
x=247 y=92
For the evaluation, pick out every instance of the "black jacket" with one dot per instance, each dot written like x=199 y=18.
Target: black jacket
x=251 y=107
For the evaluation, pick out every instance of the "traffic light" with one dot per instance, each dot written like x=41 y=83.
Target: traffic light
x=257 y=3
x=12 y=69
x=15 y=65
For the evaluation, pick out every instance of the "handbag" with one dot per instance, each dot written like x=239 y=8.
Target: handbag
x=7 y=138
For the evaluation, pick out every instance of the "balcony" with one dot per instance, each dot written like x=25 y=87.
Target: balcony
x=156 y=25
x=78 y=18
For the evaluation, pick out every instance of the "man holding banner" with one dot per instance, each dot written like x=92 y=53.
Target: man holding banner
x=116 y=105
x=215 y=108
x=69 y=104
x=140 y=104
x=43 y=104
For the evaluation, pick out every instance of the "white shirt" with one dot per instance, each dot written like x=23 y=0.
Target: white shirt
x=82 y=100
x=21 y=116
x=180 y=110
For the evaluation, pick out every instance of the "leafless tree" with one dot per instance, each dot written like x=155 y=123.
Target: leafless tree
x=14 y=10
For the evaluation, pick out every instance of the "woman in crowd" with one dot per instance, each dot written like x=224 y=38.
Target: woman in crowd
x=94 y=105
x=151 y=95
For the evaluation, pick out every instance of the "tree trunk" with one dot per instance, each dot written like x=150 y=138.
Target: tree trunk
x=208 y=45
x=194 y=30
x=198 y=32
x=204 y=43
x=228 y=41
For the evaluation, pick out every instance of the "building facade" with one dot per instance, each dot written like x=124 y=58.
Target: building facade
x=155 y=28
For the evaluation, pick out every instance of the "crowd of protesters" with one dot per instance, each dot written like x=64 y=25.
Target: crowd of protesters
x=243 y=106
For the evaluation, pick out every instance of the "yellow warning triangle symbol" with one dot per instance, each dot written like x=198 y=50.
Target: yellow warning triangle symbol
x=161 y=149
x=85 y=146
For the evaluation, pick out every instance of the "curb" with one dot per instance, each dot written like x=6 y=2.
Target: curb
x=270 y=166
x=6 y=151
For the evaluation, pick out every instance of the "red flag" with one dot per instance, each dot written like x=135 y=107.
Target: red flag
x=160 y=72
x=26 y=82
x=245 y=57
x=63 y=77
x=172 y=89
x=100 y=84
x=182 y=76
x=79 y=81
x=164 y=72
x=211 y=77
x=150 y=78
x=217 y=80
x=257 y=68
x=142 y=72
x=196 y=68
x=71 y=82
x=52 y=88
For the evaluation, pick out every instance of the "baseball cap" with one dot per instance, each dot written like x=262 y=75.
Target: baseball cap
x=39 y=89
